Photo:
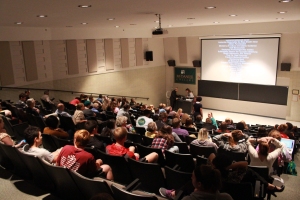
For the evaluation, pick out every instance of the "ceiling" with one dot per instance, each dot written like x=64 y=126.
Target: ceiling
x=140 y=14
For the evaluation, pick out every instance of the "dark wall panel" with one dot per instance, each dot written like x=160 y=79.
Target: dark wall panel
x=264 y=93
x=218 y=89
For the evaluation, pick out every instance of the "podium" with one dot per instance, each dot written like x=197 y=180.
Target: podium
x=186 y=106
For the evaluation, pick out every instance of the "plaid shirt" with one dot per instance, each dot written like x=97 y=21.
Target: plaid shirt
x=160 y=143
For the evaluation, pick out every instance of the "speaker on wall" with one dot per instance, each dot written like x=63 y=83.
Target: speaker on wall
x=197 y=63
x=171 y=63
x=285 y=66
x=149 y=56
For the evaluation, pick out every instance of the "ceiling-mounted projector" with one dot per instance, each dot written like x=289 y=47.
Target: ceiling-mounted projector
x=158 y=31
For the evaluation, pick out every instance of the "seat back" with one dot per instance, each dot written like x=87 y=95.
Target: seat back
x=135 y=138
x=234 y=156
x=263 y=171
x=61 y=142
x=40 y=123
x=242 y=190
x=147 y=141
x=125 y=195
x=19 y=130
x=201 y=151
x=150 y=175
x=48 y=142
x=183 y=148
x=90 y=187
x=5 y=161
x=119 y=166
x=140 y=130
x=144 y=151
x=39 y=174
x=31 y=120
x=201 y=161
x=19 y=166
x=189 y=139
x=176 y=179
x=66 y=123
x=65 y=187
x=8 y=126
x=106 y=140
x=185 y=162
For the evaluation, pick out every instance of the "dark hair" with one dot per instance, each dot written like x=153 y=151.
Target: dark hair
x=262 y=132
x=240 y=126
x=162 y=115
x=289 y=126
x=235 y=137
x=111 y=123
x=90 y=125
x=51 y=122
x=46 y=91
x=199 y=98
x=221 y=162
x=30 y=134
x=223 y=127
x=166 y=133
x=175 y=122
x=100 y=95
x=22 y=95
x=79 y=106
x=126 y=106
x=188 y=121
x=147 y=112
x=187 y=89
x=209 y=178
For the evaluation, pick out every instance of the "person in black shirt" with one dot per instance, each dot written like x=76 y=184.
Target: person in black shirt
x=198 y=107
x=174 y=97
x=92 y=127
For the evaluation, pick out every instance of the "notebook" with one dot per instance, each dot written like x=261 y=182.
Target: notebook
x=289 y=144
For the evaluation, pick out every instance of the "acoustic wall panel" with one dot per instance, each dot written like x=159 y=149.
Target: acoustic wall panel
x=17 y=62
x=182 y=50
x=72 y=57
x=117 y=53
x=91 y=55
x=139 y=53
x=109 y=54
x=132 y=59
x=125 y=53
x=29 y=60
x=6 y=68
x=100 y=54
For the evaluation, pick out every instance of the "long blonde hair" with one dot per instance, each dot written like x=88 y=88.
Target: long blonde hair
x=203 y=134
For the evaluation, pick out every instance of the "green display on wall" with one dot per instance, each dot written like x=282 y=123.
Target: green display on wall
x=185 y=75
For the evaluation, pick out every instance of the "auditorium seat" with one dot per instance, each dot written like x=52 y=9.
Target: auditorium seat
x=120 y=193
x=184 y=162
x=176 y=179
x=144 y=151
x=201 y=151
x=48 y=142
x=242 y=191
x=183 y=148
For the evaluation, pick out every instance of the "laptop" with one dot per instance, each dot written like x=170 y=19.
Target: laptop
x=289 y=144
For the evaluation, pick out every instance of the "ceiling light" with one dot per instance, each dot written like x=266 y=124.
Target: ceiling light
x=232 y=15
x=156 y=21
x=285 y=1
x=246 y=20
x=18 y=23
x=84 y=23
x=190 y=18
x=42 y=16
x=117 y=26
x=84 y=6
x=110 y=19
x=170 y=25
x=216 y=22
x=279 y=18
x=282 y=12
x=210 y=7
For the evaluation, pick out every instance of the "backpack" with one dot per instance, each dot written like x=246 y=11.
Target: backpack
x=291 y=168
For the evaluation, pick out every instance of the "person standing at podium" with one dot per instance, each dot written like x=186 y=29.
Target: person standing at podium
x=197 y=107
x=174 y=97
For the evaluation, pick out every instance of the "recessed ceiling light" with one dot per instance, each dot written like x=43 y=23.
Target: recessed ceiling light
x=285 y=1
x=156 y=21
x=84 y=23
x=110 y=19
x=42 y=16
x=216 y=22
x=282 y=12
x=210 y=7
x=246 y=20
x=232 y=15
x=155 y=27
x=117 y=26
x=170 y=25
x=84 y=6
x=18 y=23
x=279 y=18
x=190 y=18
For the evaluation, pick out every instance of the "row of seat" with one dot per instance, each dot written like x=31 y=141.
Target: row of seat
x=64 y=183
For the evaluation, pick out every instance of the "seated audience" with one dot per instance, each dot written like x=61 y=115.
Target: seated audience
x=229 y=123
x=151 y=130
x=27 y=93
x=52 y=128
x=162 y=120
x=246 y=128
x=31 y=109
x=262 y=132
x=46 y=97
x=92 y=127
x=179 y=111
x=96 y=107
x=88 y=113
x=214 y=122
x=263 y=157
x=234 y=141
x=132 y=102
x=189 y=124
x=78 y=116
x=223 y=128
x=282 y=128
x=197 y=107
x=208 y=124
x=289 y=131
x=198 y=121
x=124 y=112
x=164 y=140
x=21 y=103
x=75 y=101
x=61 y=110
x=33 y=137
x=207 y=183
x=81 y=161
x=120 y=135
x=109 y=129
x=204 y=140
x=5 y=138
x=176 y=128
x=144 y=120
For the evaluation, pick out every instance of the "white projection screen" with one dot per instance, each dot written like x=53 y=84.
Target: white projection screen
x=242 y=60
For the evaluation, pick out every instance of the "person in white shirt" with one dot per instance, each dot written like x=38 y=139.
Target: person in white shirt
x=144 y=120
